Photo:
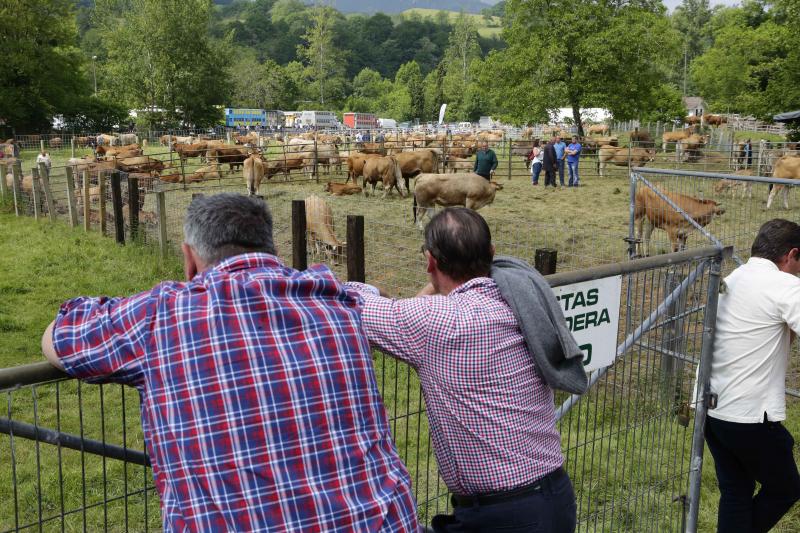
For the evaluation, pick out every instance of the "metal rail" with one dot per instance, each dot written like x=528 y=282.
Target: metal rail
x=715 y=175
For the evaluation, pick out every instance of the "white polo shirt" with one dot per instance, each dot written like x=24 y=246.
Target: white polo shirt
x=751 y=349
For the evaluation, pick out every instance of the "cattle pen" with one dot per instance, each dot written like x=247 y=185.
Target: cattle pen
x=631 y=443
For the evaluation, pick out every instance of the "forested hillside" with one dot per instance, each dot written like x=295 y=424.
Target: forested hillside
x=177 y=61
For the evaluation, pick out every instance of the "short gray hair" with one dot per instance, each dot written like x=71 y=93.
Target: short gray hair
x=227 y=224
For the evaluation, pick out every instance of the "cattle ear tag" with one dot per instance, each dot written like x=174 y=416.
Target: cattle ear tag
x=683 y=414
x=723 y=287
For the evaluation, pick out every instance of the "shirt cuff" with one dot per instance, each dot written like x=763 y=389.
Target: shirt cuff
x=363 y=288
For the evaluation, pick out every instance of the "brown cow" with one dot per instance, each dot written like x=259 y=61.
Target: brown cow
x=108 y=151
x=233 y=157
x=465 y=189
x=210 y=172
x=384 y=169
x=689 y=149
x=355 y=165
x=715 y=120
x=254 y=171
x=602 y=129
x=659 y=214
x=56 y=142
x=623 y=157
x=788 y=168
x=674 y=136
x=425 y=161
x=457 y=164
x=186 y=151
x=341 y=189
x=319 y=222
x=373 y=148
x=735 y=187
x=692 y=120
x=140 y=164
x=641 y=138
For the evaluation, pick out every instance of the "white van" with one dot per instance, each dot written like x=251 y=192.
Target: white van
x=387 y=123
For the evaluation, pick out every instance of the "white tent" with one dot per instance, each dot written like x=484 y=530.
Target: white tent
x=593 y=114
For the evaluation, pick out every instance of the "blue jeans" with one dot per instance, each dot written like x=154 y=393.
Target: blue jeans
x=536 y=169
x=552 y=509
x=560 y=172
x=574 y=179
x=744 y=454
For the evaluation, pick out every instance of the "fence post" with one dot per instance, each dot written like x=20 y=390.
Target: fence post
x=44 y=176
x=545 y=260
x=73 y=213
x=72 y=146
x=35 y=191
x=761 y=145
x=41 y=145
x=671 y=339
x=356 y=270
x=509 y=159
x=116 y=201
x=316 y=159
x=87 y=202
x=3 y=186
x=133 y=206
x=101 y=184
x=701 y=407
x=299 y=250
x=16 y=177
x=161 y=212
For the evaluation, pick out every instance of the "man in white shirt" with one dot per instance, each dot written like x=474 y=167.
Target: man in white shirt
x=756 y=320
x=44 y=157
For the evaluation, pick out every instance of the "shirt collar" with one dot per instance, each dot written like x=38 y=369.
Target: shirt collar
x=472 y=284
x=760 y=261
x=248 y=261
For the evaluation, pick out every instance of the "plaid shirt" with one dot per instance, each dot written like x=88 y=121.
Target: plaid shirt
x=260 y=406
x=491 y=414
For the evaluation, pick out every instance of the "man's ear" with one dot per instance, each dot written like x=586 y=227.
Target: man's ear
x=432 y=265
x=190 y=267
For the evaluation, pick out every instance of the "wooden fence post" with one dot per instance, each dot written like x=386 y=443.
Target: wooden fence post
x=44 y=176
x=101 y=206
x=87 y=202
x=116 y=201
x=161 y=211
x=545 y=260
x=3 y=174
x=16 y=184
x=35 y=192
x=73 y=213
x=356 y=270
x=133 y=206
x=299 y=251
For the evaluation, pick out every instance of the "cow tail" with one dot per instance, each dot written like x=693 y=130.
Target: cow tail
x=414 y=208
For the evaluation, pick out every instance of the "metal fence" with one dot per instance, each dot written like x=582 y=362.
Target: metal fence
x=632 y=451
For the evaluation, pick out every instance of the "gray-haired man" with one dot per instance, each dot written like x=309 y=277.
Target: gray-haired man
x=260 y=406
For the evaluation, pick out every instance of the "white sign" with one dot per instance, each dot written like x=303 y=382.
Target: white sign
x=592 y=312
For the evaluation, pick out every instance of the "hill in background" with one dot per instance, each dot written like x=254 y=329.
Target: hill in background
x=486 y=27
x=398 y=6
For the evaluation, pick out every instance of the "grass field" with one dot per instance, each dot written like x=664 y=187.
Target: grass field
x=43 y=264
x=485 y=29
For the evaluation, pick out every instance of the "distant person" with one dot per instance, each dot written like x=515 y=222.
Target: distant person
x=489 y=343
x=560 y=147
x=757 y=320
x=550 y=163
x=485 y=161
x=748 y=153
x=260 y=405
x=573 y=157
x=535 y=158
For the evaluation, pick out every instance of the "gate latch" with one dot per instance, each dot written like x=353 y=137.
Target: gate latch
x=711 y=400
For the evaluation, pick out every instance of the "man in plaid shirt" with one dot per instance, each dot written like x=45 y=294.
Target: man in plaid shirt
x=260 y=407
x=491 y=413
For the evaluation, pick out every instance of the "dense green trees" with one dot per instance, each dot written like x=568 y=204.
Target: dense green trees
x=580 y=54
x=753 y=65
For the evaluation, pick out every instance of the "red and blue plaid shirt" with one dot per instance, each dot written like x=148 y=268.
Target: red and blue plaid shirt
x=260 y=406
x=491 y=413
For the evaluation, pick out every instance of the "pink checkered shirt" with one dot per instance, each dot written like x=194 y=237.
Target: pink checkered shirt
x=491 y=414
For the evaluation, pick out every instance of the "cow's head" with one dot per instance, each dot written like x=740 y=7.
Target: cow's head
x=496 y=185
x=328 y=187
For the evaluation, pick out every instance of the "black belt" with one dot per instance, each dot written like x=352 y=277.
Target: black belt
x=509 y=495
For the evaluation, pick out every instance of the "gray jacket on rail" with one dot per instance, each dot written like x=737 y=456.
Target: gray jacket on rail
x=539 y=315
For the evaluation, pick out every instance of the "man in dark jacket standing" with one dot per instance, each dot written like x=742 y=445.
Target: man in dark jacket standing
x=485 y=161
x=550 y=163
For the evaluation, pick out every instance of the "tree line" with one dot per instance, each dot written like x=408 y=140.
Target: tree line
x=178 y=61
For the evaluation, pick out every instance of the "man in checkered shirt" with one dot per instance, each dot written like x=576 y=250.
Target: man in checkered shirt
x=259 y=402
x=491 y=414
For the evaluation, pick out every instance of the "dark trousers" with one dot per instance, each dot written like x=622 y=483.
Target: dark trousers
x=549 y=176
x=485 y=176
x=744 y=454
x=551 y=509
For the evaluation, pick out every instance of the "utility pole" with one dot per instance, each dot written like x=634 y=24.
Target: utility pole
x=685 y=54
x=94 y=74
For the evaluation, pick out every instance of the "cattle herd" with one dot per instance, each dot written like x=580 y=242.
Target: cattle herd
x=400 y=158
